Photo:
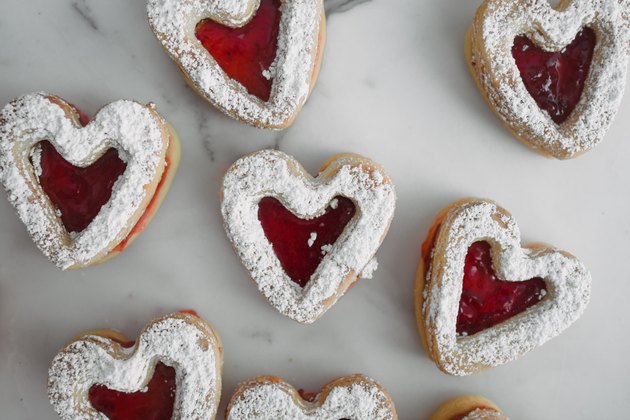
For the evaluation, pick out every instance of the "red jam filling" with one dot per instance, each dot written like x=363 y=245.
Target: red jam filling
x=78 y=193
x=487 y=301
x=301 y=244
x=156 y=403
x=307 y=395
x=189 y=312
x=245 y=53
x=555 y=79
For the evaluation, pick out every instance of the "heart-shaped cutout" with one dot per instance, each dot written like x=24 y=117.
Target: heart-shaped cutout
x=255 y=60
x=350 y=397
x=246 y=52
x=78 y=193
x=482 y=299
x=299 y=199
x=301 y=244
x=487 y=300
x=173 y=370
x=155 y=401
x=555 y=79
x=555 y=76
x=84 y=193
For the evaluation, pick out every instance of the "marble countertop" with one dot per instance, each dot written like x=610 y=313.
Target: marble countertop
x=394 y=87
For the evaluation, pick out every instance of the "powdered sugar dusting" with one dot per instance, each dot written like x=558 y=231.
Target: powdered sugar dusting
x=36 y=160
x=485 y=414
x=568 y=290
x=174 y=23
x=179 y=340
x=356 y=397
x=496 y=25
x=135 y=130
x=369 y=269
x=312 y=239
x=270 y=173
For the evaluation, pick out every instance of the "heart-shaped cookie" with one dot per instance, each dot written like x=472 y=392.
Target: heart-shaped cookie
x=173 y=371
x=306 y=240
x=555 y=77
x=351 y=397
x=84 y=192
x=255 y=60
x=482 y=299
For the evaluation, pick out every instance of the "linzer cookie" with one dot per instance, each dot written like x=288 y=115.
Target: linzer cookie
x=482 y=299
x=554 y=76
x=350 y=397
x=306 y=240
x=469 y=407
x=255 y=60
x=85 y=189
x=173 y=371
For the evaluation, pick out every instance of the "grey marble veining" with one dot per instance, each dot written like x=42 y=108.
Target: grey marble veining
x=85 y=11
x=394 y=87
x=338 y=6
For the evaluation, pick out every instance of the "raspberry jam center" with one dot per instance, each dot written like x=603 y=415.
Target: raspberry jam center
x=487 y=301
x=78 y=193
x=245 y=54
x=555 y=79
x=301 y=244
x=155 y=403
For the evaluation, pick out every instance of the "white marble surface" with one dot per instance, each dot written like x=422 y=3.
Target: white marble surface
x=393 y=87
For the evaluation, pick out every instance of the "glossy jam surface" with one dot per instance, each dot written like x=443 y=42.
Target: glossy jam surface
x=301 y=244
x=245 y=53
x=155 y=403
x=78 y=193
x=555 y=79
x=487 y=301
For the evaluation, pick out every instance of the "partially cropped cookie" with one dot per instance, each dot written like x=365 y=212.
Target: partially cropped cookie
x=483 y=299
x=85 y=189
x=255 y=60
x=172 y=371
x=306 y=240
x=555 y=76
x=469 y=407
x=353 y=397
